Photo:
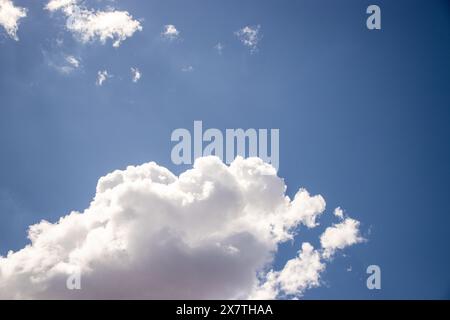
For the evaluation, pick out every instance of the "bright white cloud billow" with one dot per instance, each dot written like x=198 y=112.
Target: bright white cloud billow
x=209 y=233
x=10 y=16
x=339 y=236
x=303 y=272
x=338 y=212
x=299 y=274
x=54 y=5
x=89 y=25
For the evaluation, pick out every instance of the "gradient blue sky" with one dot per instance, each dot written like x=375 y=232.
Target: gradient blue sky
x=363 y=118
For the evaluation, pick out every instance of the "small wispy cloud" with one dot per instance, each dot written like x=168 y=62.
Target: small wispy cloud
x=187 y=68
x=250 y=36
x=135 y=74
x=219 y=47
x=170 y=32
x=102 y=76
x=59 y=42
x=74 y=62
x=338 y=212
x=63 y=63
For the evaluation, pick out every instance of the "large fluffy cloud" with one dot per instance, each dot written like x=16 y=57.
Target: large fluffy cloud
x=212 y=232
x=10 y=16
x=89 y=25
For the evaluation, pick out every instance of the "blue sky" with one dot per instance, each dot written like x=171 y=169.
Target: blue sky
x=363 y=118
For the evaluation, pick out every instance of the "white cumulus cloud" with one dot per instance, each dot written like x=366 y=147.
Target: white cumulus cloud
x=208 y=233
x=303 y=272
x=10 y=16
x=338 y=212
x=339 y=236
x=89 y=25
x=250 y=37
x=54 y=5
x=170 y=32
x=299 y=274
